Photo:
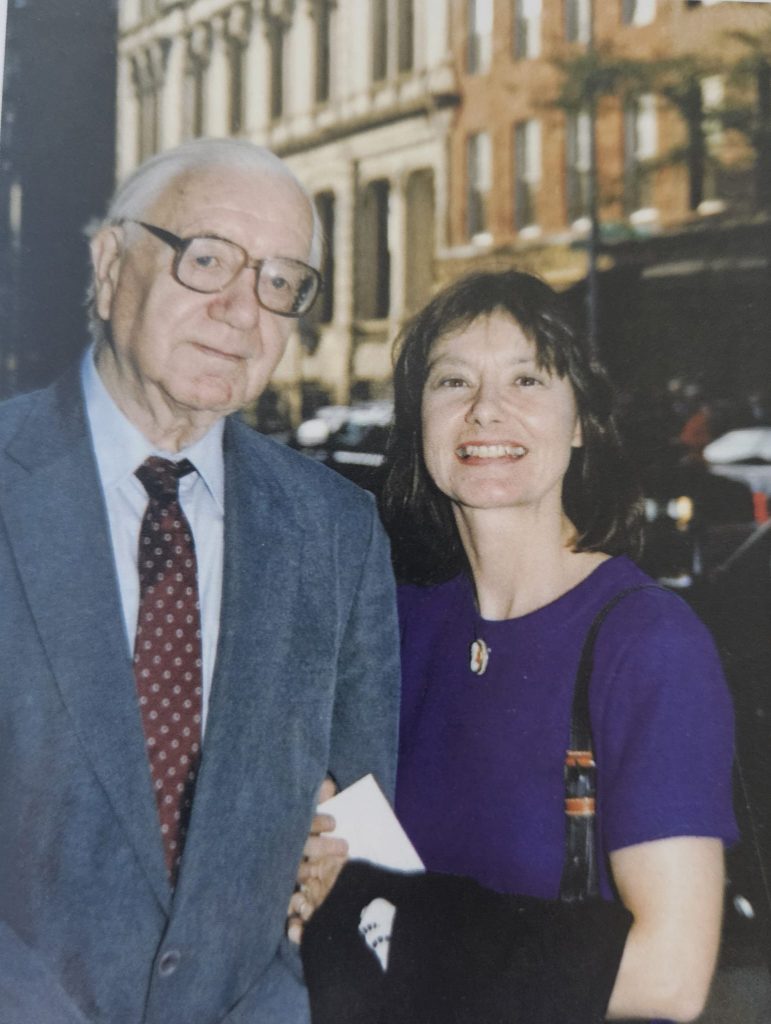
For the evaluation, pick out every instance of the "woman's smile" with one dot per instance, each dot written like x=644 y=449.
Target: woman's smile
x=498 y=428
x=482 y=451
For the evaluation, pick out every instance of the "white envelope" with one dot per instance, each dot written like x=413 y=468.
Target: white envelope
x=364 y=818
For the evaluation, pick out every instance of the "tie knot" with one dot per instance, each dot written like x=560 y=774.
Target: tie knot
x=161 y=476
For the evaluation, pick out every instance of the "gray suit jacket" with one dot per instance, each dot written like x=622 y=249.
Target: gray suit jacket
x=305 y=683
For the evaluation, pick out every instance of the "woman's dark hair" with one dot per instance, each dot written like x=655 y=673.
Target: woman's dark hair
x=600 y=495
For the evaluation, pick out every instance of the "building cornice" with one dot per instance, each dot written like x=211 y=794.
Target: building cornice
x=424 y=107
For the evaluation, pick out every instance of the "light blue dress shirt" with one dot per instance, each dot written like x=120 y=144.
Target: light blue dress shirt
x=120 y=448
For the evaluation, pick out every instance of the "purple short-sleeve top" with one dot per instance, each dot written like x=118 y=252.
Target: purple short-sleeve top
x=480 y=786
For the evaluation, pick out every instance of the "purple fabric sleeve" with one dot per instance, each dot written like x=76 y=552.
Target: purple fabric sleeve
x=480 y=788
x=663 y=731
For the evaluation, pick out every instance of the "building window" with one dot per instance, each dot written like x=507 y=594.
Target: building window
x=405 y=57
x=323 y=49
x=480 y=36
x=712 y=101
x=527 y=29
x=275 y=30
x=324 y=310
x=527 y=173
x=373 y=264
x=638 y=12
x=578 y=159
x=381 y=195
x=578 y=14
x=393 y=38
x=237 y=50
x=479 y=183
x=640 y=146
x=379 y=40
x=712 y=89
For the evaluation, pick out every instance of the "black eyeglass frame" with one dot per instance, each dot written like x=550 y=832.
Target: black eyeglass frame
x=180 y=246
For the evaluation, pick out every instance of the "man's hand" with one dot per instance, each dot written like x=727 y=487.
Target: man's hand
x=323 y=857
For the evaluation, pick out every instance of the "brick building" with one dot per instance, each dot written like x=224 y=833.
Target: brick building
x=520 y=161
x=683 y=235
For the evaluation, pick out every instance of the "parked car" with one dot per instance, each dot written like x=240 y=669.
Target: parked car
x=349 y=439
x=744 y=455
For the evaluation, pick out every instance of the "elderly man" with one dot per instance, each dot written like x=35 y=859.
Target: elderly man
x=196 y=624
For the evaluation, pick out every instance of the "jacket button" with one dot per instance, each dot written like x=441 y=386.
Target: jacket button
x=168 y=963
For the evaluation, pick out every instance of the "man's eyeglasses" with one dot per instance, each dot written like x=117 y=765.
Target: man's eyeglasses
x=206 y=263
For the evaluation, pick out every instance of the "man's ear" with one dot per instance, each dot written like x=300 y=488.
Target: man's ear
x=106 y=255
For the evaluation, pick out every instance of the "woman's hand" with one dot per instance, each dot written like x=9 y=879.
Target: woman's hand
x=323 y=857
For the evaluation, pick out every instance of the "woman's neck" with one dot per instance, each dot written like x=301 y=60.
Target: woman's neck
x=520 y=564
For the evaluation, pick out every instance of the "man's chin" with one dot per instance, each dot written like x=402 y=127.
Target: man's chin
x=210 y=396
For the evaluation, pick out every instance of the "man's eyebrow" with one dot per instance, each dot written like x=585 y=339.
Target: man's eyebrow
x=211 y=234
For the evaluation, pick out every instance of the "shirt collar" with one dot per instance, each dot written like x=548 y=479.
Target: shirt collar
x=120 y=447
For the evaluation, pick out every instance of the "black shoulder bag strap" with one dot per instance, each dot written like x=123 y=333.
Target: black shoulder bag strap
x=580 y=874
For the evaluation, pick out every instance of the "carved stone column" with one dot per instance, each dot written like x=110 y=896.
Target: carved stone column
x=128 y=117
x=217 y=80
x=301 y=60
x=257 y=77
x=173 y=103
x=277 y=18
x=237 y=30
x=199 y=48
x=148 y=67
x=397 y=247
x=346 y=192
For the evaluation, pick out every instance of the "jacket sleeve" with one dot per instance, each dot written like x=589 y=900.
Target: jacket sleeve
x=366 y=710
x=363 y=738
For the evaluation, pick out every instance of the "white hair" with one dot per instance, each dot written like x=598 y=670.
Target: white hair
x=137 y=193
x=150 y=180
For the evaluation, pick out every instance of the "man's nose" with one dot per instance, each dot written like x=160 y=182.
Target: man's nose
x=237 y=305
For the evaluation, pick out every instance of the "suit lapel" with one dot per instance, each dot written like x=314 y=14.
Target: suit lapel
x=60 y=537
x=263 y=557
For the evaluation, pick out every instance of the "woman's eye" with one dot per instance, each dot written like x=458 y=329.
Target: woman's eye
x=526 y=381
x=452 y=382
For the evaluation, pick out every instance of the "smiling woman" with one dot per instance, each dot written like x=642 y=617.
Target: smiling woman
x=511 y=512
x=516 y=325
x=498 y=428
x=506 y=489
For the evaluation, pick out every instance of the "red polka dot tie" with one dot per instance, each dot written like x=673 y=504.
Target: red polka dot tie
x=167 y=651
